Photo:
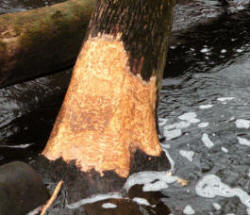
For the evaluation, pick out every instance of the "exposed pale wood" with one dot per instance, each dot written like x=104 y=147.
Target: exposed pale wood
x=108 y=114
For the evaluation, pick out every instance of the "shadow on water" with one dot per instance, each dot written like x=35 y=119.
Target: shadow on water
x=209 y=46
x=27 y=114
x=203 y=113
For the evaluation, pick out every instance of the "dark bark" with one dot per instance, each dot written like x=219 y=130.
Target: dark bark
x=41 y=41
x=145 y=27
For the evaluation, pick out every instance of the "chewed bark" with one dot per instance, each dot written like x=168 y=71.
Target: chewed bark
x=108 y=112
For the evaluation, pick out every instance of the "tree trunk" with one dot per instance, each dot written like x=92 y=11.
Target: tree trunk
x=41 y=41
x=106 y=127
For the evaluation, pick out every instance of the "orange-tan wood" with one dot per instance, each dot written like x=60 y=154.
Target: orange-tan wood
x=107 y=113
x=109 y=109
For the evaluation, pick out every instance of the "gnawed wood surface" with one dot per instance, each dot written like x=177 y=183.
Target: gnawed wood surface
x=109 y=109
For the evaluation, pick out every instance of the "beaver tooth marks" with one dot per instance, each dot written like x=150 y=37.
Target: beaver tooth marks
x=108 y=113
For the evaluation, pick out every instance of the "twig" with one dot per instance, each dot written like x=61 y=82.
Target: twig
x=52 y=198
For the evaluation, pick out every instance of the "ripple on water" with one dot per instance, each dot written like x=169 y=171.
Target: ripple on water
x=211 y=186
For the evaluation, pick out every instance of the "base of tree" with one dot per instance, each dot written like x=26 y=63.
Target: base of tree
x=81 y=185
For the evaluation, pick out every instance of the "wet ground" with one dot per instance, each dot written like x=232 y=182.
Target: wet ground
x=204 y=113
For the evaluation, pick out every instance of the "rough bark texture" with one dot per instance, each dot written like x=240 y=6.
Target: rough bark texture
x=41 y=41
x=109 y=110
x=144 y=27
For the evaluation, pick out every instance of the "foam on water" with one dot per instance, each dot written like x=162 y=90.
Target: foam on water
x=178 y=125
x=242 y=123
x=162 y=121
x=216 y=206
x=141 y=201
x=152 y=180
x=172 y=134
x=204 y=50
x=188 y=210
x=208 y=106
x=239 y=50
x=93 y=199
x=243 y=141
x=203 y=124
x=224 y=99
x=207 y=142
x=109 y=205
x=187 y=154
x=21 y=146
x=223 y=51
x=224 y=149
x=211 y=186
x=171 y=161
x=190 y=117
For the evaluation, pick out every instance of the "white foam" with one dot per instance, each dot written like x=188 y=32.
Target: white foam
x=243 y=141
x=161 y=180
x=211 y=186
x=21 y=146
x=178 y=125
x=207 y=142
x=216 y=206
x=94 y=198
x=141 y=201
x=203 y=125
x=224 y=149
x=223 y=99
x=171 y=161
x=109 y=205
x=242 y=123
x=204 y=50
x=239 y=50
x=188 y=210
x=187 y=154
x=162 y=122
x=223 y=51
x=172 y=134
x=208 y=106
x=190 y=117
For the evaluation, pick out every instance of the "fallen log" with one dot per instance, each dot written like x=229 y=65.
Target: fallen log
x=106 y=128
x=41 y=41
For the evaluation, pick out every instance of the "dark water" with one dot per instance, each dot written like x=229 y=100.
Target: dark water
x=204 y=114
x=9 y=6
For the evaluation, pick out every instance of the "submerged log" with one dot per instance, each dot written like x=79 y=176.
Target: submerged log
x=106 y=128
x=40 y=41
